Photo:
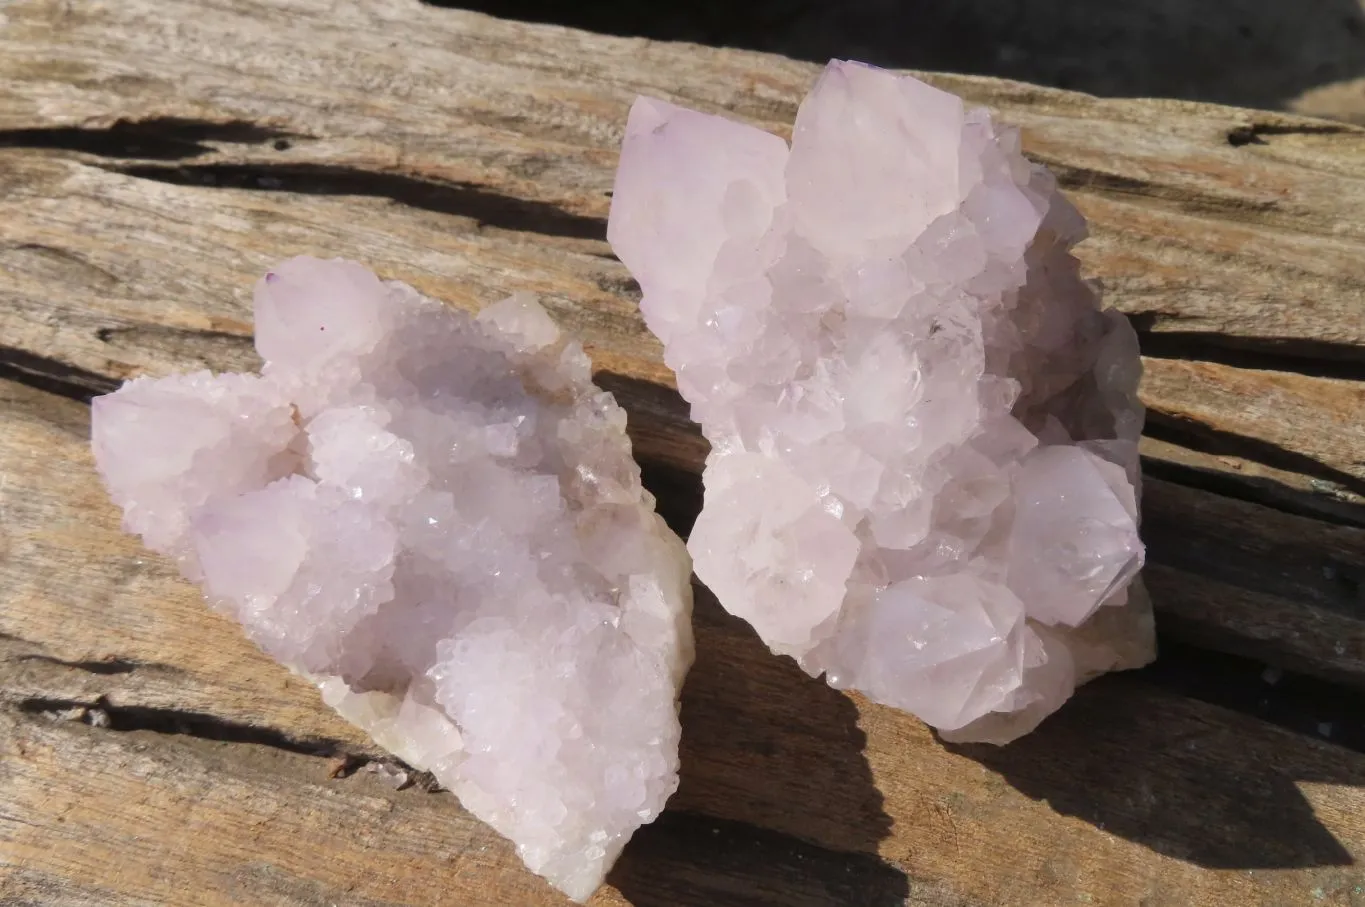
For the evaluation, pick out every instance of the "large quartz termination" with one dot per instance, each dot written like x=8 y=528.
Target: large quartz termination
x=437 y=518
x=924 y=468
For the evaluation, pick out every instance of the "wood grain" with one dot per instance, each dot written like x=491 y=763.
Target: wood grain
x=155 y=158
x=1310 y=425
x=838 y=800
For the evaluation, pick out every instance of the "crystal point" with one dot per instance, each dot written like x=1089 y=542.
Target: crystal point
x=923 y=477
x=438 y=519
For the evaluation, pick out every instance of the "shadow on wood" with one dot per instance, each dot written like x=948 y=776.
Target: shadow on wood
x=760 y=734
x=685 y=859
x=154 y=138
x=753 y=722
x=1122 y=756
x=460 y=199
x=1202 y=793
x=1207 y=439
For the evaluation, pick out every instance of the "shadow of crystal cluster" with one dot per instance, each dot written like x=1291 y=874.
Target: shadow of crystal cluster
x=438 y=519
x=924 y=471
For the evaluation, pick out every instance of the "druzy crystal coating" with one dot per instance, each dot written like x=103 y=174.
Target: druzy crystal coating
x=923 y=480
x=438 y=519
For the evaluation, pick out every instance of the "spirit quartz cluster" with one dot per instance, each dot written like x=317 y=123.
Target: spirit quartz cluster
x=923 y=481
x=924 y=478
x=438 y=519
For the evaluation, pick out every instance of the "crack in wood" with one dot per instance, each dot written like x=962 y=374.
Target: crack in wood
x=53 y=376
x=488 y=208
x=101 y=666
x=1311 y=358
x=152 y=138
x=1185 y=198
x=1306 y=705
x=1325 y=504
x=1186 y=431
x=201 y=725
x=1255 y=133
x=234 y=338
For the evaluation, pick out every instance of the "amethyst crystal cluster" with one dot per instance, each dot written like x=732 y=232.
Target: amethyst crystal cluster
x=923 y=481
x=924 y=468
x=438 y=519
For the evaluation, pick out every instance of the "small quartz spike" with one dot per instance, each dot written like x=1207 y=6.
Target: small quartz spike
x=923 y=479
x=437 y=518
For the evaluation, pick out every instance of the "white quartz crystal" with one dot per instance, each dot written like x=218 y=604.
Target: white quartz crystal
x=924 y=468
x=436 y=517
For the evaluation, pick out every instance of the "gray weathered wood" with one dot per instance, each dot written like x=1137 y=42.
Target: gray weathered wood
x=155 y=158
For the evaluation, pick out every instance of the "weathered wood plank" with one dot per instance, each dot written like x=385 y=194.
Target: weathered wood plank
x=156 y=158
x=1214 y=227
x=1214 y=587
x=1237 y=576
x=89 y=813
x=80 y=308
x=1313 y=426
x=801 y=779
x=1191 y=202
x=1223 y=469
x=144 y=818
x=75 y=590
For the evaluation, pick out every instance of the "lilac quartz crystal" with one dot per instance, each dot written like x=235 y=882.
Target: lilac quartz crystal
x=924 y=471
x=437 y=518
